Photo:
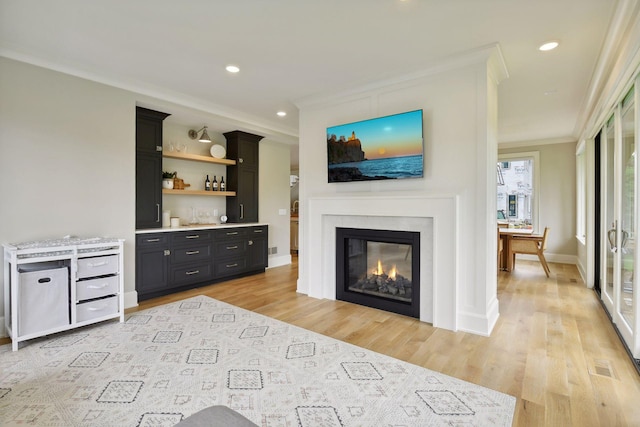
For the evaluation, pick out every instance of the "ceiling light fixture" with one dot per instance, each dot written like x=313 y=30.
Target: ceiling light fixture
x=548 y=46
x=232 y=68
x=203 y=138
x=281 y=113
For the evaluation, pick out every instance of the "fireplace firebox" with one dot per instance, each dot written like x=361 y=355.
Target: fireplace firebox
x=379 y=269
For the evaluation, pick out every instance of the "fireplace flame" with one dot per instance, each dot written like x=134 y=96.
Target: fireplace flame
x=378 y=271
x=393 y=272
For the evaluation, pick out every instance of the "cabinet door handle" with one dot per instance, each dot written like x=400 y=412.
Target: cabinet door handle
x=232 y=233
x=167 y=252
x=152 y=240
x=194 y=236
x=250 y=242
x=257 y=231
x=232 y=247
x=241 y=210
x=192 y=252
x=240 y=160
x=189 y=273
x=96 y=308
x=102 y=286
x=157 y=212
x=232 y=265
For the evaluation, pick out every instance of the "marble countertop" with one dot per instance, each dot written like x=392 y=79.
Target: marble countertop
x=199 y=227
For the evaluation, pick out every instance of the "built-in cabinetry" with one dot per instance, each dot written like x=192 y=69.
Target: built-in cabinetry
x=54 y=285
x=148 y=167
x=243 y=177
x=239 y=250
x=171 y=261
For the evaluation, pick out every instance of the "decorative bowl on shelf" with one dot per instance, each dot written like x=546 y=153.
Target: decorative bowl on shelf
x=218 y=151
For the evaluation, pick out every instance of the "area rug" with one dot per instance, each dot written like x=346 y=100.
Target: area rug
x=168 y=362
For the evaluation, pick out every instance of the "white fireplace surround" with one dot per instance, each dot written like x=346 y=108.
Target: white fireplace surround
x=434 y=216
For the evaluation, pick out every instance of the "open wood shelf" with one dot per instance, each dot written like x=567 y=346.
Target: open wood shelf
x=199 y=192
x=198 y=158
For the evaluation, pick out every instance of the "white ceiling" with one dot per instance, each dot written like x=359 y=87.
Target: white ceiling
x=291 y=49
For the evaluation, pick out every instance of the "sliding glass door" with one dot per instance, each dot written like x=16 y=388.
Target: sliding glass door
x=619 y=220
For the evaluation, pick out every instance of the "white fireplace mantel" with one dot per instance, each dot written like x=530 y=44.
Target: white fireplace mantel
x=438 y=304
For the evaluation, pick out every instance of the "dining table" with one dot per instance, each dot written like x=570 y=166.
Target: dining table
x=506 y=235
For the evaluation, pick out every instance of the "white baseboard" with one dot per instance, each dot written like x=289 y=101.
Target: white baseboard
x=479 y=324
x=3 y=330
x=130 y=299
x=279 y=261
x=550 y=257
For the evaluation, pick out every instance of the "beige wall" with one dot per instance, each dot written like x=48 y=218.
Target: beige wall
x=274 y=198
x=67 y=152
x=557 y=196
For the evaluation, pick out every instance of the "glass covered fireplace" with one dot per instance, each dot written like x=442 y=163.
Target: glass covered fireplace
x=379 y=269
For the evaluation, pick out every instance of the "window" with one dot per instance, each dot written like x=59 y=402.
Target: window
x=518 y=197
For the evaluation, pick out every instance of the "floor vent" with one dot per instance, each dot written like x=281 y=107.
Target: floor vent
x=602 y=368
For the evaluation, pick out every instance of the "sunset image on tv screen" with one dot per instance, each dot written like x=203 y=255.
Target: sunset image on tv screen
x=389 y=147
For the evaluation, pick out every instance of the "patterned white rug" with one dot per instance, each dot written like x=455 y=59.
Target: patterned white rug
x=167 y=362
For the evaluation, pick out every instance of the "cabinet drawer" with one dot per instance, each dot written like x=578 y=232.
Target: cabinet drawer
x=192 y=274
x=230 y=248
x=97 y=308
x=230 y=234
x=191 y=253
x=230 y=267
x=96 y=288
x=257 y=231
x=190 y=237
x=97 y=266
x=152 y=240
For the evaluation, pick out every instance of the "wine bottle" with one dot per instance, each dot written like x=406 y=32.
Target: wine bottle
x=222 y=186
x=214 y=184
x=207 y=184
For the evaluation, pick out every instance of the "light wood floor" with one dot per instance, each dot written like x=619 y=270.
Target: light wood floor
x=553 y=347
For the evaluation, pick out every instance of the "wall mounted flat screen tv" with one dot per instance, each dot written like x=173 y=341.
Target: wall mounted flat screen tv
x=389 y=147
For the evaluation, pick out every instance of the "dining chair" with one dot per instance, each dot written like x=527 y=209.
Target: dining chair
x=532 y=245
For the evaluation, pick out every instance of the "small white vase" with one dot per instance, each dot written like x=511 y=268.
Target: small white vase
x=167 y=183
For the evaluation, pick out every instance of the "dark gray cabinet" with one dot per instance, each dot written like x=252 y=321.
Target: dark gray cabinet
x=257 y=248
x=172 y=261
x=152 y=263
x=148 y=168
x=243 y=177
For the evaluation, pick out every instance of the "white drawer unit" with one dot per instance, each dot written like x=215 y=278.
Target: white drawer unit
x=55 y=285
x=96 y=309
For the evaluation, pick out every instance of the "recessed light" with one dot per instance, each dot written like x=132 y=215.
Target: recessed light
x=549 y=46
x=281 y=113
x=232 y=68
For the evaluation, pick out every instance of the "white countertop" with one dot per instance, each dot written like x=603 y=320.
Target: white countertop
x=199 y=227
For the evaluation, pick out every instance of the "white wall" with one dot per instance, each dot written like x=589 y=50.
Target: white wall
x=459 y=102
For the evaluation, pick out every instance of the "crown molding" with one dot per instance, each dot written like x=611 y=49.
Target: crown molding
x=491 y=55
x=618 y=62
x=222 y=113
